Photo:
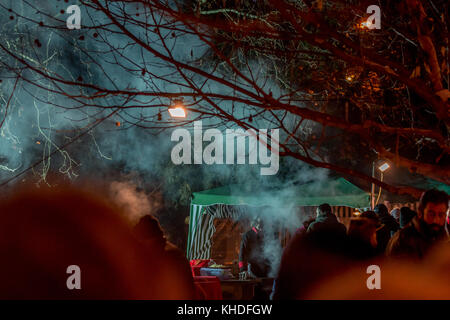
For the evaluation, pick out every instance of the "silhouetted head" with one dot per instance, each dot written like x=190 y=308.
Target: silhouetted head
x=371 y=215
x=395 y=213
x=323 y=209
x=381 y=210
x=406 y=215
x=258 y=223
x=364 y=229
x=149 y=231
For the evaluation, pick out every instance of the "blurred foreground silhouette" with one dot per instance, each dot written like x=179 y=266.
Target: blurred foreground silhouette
x=429 y=280
x=43 y=231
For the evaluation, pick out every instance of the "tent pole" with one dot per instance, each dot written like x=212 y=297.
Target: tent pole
x=188 y=245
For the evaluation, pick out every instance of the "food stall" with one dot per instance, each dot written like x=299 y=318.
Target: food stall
x=219 y=217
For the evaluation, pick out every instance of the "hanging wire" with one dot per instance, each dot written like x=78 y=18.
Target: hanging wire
x=379 y=192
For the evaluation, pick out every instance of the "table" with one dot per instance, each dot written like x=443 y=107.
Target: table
x=235 y=289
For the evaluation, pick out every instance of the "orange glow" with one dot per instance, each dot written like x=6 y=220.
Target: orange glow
x=177 y=112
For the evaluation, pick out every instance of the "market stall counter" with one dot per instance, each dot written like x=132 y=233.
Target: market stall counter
x=216 y=282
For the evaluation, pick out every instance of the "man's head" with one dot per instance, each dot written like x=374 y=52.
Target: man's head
x=323 y=209
x=257 y=223
x=148 y=230
x=395 y=213
x=371 y=215
x=433 y=208
x=381 y=210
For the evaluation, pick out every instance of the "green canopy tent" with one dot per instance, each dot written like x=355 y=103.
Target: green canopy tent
x=418 y=182
x=226 y=201
x=429 y=184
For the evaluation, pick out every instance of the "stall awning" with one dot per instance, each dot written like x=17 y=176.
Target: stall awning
x=429 y=184
x=336 y=192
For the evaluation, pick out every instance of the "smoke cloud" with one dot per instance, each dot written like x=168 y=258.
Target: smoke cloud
x=134 y=203
x=41 y=124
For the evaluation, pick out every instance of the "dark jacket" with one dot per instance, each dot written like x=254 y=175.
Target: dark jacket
x=327 y=224
x=303 y=265
x=390 y=227
x=414 y=240
x=327 y=233
x=359 y=250
x=252 y=252
x=406 y=215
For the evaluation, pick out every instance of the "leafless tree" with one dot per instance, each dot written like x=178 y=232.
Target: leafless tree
x=312 y=69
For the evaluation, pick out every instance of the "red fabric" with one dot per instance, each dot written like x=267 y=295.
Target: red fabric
x=255 y=230
x=197 y=264
x=195 y=271
x=208 y=288
x=203 y=263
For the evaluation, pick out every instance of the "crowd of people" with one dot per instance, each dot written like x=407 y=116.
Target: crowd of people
x=324 y=249
x=43 y=231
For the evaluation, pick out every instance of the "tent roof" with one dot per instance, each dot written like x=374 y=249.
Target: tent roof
x=437 y=185
x=334 y=191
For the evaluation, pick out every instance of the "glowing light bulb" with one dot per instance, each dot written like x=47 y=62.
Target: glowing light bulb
x=366 y=24
x=177 y=112
x=384 y=167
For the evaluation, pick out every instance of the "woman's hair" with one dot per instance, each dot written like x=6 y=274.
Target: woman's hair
x=362 y=228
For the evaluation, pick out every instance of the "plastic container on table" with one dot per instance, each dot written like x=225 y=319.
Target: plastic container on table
x=222 y=274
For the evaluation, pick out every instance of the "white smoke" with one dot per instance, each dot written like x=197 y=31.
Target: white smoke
x=272 y=252
x=134 y=203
